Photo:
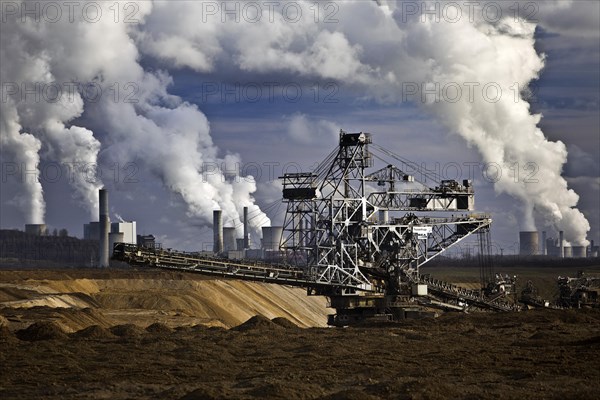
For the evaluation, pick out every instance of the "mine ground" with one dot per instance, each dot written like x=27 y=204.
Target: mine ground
x=123 y=334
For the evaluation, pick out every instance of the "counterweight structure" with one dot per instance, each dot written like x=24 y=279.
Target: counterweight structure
x=362 y=237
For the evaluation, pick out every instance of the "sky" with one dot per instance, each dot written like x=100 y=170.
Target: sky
x=181 y=107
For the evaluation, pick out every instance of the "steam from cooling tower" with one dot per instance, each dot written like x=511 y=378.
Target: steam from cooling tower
x=502 y=128
x=34 y=120
x=173 y=135
x=391 y=47
x=400 y=48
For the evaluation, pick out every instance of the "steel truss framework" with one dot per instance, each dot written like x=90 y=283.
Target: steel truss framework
x=364 y=231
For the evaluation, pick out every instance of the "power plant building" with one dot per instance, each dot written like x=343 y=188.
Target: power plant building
x=128 y=229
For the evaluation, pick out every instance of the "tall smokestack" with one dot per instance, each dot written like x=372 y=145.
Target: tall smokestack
x=246 y=228
x=103 y=261
x=217 y=232
x=561 y=244
x=544 y=249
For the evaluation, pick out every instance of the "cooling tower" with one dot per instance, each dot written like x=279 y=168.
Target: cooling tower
x=567 y=251
x=103 y=262
x=272 y=237
x=229 y=239
x=578 y=251
x=36 y=229
x=114 y=237
x=528 y=243
x=217 y=232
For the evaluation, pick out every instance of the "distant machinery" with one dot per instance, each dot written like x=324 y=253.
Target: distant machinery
x=147 y=241
x=580 y=292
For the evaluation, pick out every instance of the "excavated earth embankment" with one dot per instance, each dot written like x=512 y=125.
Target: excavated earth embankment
x=76 y=299
x=157 y=335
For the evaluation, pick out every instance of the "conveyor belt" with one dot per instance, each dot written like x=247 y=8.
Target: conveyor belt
x=236 y=269
x=280 y=274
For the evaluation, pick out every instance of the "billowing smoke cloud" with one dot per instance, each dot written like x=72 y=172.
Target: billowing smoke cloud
x=39 y=96
x=467 y=70
x=130 y=105
x=20 y=150
x=468 y=66
x=501 y=60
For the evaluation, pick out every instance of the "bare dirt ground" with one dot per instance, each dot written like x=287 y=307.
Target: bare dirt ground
x=62 y=352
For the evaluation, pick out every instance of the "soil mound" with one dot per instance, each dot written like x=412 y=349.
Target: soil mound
x=258 y=322
x=157 y=327
x=285 y=323
x=44 y=330
x=127 y=330
x=5 y=334
x=93 y=332
x=208 y=394
x=349 y=394
x=595 y=340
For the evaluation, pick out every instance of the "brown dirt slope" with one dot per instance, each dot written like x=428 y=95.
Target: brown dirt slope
x=535 y=355
x=78 y=298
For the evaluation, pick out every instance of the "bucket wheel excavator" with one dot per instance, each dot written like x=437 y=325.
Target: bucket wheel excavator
x=362 y=236
x=359 y=235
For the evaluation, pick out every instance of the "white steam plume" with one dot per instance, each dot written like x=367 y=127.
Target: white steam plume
x=373 y=47
x=39 y=96
x=501 y=56
x=20 y=150
x=379 y=47
x=134 y=111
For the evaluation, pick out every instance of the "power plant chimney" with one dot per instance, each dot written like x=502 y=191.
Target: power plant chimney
x=544 y=249
x=103 y=261
x=246 y=228
x=217 y=232
x=561 y=244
